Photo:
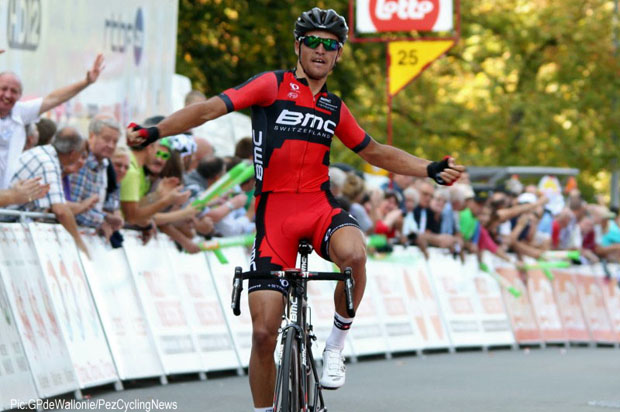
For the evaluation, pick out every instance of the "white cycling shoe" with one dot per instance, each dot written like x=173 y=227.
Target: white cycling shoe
x=333 y=369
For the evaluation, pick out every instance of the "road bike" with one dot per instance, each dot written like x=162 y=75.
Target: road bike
x=297 y=380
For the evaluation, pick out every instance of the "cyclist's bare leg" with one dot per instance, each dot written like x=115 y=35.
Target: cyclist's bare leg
x=347 y=247
x=266 y=307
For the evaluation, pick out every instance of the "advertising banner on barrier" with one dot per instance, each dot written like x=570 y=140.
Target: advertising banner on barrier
x=162 y=303
x=37 y=320
x=569 y=306
x=79 y=324
x=119 y=308
x=595 y=311
x=368 y=333
x=321 y=301
x=387 y=283
x=524 y=324
x=611 y=293
x=456 y=294
x=422 y=302
x=204 y=310
x=545 y=307
x=16 y=385
x=489 y=305
x=222 y=275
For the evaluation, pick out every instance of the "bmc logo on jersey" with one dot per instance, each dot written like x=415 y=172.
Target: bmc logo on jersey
x=404 y=15
x=292 y=118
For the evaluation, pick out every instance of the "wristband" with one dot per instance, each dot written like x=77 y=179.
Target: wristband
x=435 y=168
x=229 y=205
x=150 y=134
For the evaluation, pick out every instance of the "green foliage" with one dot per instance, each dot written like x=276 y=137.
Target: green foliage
x=531 y=82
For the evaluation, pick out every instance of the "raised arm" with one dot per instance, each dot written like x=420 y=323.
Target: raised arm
x=63 y=94
x=178 y=122
x=398 y=161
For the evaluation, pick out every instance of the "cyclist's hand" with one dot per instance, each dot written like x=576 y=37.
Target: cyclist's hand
x=445 y=172
x=140 y=136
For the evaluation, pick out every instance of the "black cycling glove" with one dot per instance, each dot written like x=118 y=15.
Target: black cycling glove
x=435 y=168
x=150 y=134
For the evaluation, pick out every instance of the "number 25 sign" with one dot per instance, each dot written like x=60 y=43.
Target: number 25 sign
x=407 y=59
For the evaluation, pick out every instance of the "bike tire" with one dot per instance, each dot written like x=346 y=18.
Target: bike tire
x=288 y=387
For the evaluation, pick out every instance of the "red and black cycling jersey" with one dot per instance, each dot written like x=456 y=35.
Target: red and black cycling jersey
x=292 y=130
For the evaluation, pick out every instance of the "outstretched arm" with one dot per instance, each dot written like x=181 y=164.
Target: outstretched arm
x=179 y=121
x=63 y=94
x=398 y=161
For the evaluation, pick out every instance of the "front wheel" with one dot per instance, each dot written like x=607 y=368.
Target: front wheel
x=287 y=397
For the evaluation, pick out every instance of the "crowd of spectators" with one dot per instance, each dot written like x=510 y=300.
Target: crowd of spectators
x=94 y=180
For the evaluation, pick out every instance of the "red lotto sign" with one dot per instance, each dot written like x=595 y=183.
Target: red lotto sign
x=377 y=16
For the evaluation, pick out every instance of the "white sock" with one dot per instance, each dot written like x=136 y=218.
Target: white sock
x=339 y=332
x=268 y=409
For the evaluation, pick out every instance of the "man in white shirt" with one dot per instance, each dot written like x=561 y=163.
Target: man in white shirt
x=14 y=115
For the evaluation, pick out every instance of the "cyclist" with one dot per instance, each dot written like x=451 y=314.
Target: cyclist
x=294 y=118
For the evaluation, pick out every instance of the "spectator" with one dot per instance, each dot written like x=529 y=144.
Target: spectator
x=353 y=191
x=411 y=234
x=32 y=136
x=566 y=234
x=398 y=184
x=47 y=162
x=422 y=212
x=47 y=129
x=244 y=149
x=136 y=207
x=92 y=179
x=390 y=216
x=14 y=114
x=203 y=150
x=120 y=163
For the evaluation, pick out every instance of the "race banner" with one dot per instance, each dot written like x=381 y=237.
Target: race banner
x=222 y=277
x=37 y=320
x=120 y=311
x=16 y=385
x=456 y=296
x=162 y=303
x=79 y=322
x=545 y=307
x=407 y=59
x=399 y=320
x=203 y=309
x=378 y=16
x=595 y=311
x=569 y=306
x=524 y=324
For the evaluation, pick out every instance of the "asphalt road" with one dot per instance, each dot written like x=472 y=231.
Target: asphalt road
x=553 y=379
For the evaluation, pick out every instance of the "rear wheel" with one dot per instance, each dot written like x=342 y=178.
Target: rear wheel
x=288 y=390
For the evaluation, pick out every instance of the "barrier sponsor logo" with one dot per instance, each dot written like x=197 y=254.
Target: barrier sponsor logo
x=24 y=24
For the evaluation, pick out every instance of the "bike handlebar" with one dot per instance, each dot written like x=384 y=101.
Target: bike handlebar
x=345 y=277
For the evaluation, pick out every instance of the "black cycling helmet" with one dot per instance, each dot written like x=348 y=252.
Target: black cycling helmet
x=319 y=19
